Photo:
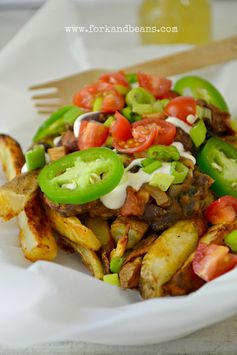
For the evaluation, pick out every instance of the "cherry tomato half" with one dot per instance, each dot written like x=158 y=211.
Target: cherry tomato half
x=181 y=107
x=121 y=129
x=115 y=78
x=165 y=131
x=223 y=210
x=157 y=85
x=143 y=137
x=92 y=134
x=112 y=99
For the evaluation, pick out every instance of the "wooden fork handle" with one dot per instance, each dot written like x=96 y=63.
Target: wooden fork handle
x=201 y=56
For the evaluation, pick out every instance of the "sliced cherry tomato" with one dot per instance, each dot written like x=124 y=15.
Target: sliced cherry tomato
x=211 y=261
x=121 y=129
x=92 y=134
x=181 y=107
x=112 y=99
x=157 y=85
x=165 y=131
x=143 y=137
x=223 y=210
x=115 y=78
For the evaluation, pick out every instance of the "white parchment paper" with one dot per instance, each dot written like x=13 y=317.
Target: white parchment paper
x=44 y=302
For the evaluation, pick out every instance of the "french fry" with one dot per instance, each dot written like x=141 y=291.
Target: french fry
x=11 y=156
x=36 y=236
x=72 y=229
x=89 y=258
x=166 y=256
x=15 y=194
x=101 y=229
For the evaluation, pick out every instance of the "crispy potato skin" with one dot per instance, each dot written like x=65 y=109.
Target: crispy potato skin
x=130 y=273
x=36 y=237
x=72 y=229
x=166 y=256
x=15 y=194
x=11 y=156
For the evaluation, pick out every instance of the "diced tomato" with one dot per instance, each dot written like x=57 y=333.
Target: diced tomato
x=143 y=137
x=211 y=261
x=223 y=210
x=165 y=131
x=115 y=78
x=112 y=99
x=181 y=107
x=121 y=129
x=171 y=95
x=92 y=134
x=157 y=85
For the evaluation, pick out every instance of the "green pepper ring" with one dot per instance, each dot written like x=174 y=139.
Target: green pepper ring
x=206 y=158
x=58 y=194
x=193 y=83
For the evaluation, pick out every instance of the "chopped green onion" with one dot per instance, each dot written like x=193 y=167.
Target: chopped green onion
x=35 y=158
x=198 y=133
x=231 y=240
x=131 y=116
x=163 y=152
x=123 y=90
x=179 y=171
x=109 y=142
x=163 y=181
x=149 y=169
x=97 y=106
x=203 y=112
x=112 y=279
x=131 y=78
x=142 y=109
x=146 y=162
x=109 y=121
x=116 y=263
x=139 y=96
x=159 y=105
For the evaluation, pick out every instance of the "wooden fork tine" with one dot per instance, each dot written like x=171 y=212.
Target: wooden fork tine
x=50 y=95
x=48 y=104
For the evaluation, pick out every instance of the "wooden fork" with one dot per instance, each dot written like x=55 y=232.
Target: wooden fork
x=59 y=92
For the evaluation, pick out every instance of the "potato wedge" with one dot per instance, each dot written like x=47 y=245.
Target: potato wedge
x=89 y=258
x=71 y=228
x=11 y=156
x=100 y=227
x=15 y=194
x=166 y=256
x=137 y=229
x=130 y=273
x=185 y=280
x=36 y=236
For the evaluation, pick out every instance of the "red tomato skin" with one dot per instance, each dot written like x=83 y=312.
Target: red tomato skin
x=112 y=99
x=157 y=85
x=92 y=134
x=211 y=261
x=115 y=78
x=165 y=131
x=138 y=144
x=223 y=210
x=181 y=107
x=121 y=129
